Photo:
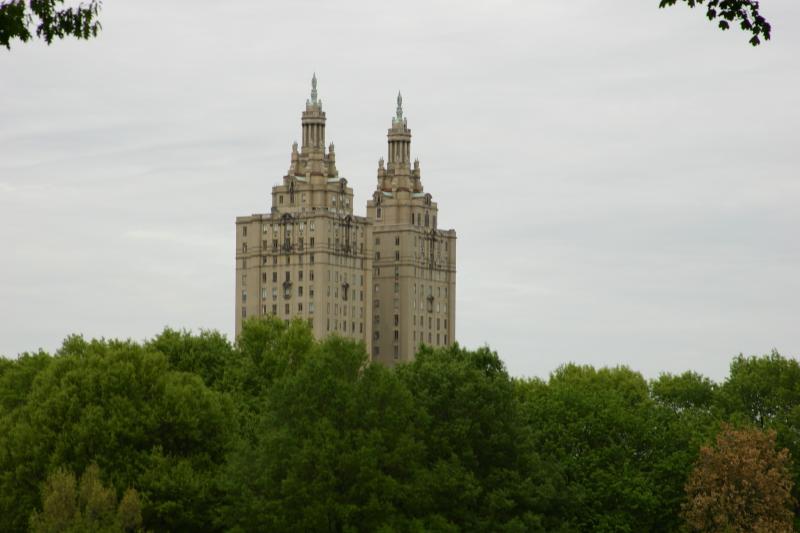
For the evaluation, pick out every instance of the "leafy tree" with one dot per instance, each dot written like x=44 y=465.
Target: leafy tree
x=624 y=458
x=765 y=391
x=51 y=20
x=69 y=507
x=119 y=405
x=208 y=354
x=685 y=391
x=16 y=379
x=740 y=485
x=333 y=449
x=480 y=472
x=745 y=13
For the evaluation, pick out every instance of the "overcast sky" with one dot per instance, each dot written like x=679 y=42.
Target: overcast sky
x=624 y=180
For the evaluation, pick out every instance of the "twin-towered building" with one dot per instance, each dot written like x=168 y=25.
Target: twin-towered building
x=388 y=278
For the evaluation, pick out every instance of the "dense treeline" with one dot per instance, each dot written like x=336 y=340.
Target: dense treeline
x=280 y=432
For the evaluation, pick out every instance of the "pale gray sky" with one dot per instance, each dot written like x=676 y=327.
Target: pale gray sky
x=624 y=180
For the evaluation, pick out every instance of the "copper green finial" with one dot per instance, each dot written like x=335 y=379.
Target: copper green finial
x=314 y=88
x=399 y=115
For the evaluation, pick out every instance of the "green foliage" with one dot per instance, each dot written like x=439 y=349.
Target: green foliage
x=745 y=13
x=333 y=449
x=281 y=432
x=50 y=19
x=624 y=457
x=480 y=471
x=685 y=391
x=206 y=354
x=119 y=405
x=69 y=507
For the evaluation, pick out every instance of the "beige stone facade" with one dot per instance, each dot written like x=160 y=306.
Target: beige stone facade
x=387 y=279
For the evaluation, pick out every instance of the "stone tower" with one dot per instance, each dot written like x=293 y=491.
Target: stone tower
x=414 y=268
x=387 y=279
x=309 y=257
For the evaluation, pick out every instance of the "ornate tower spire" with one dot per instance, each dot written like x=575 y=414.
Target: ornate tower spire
x=313 y=122
x=399 y=141
x=398 y=118
x=313 y=100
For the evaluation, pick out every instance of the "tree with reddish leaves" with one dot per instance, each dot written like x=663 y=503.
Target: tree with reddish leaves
x=741 y=484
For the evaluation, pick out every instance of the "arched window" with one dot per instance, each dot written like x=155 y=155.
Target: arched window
x=379 y=212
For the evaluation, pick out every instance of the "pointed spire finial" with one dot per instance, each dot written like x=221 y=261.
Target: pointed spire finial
x=314 y=89
x=399 y=114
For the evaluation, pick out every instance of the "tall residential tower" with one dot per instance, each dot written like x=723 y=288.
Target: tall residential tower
x=387 y=279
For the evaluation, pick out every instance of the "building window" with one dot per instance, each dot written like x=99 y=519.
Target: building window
x=379 y=212
x=300 y=290
x=274 y=277
x=244 y=231
x=396 y=320
x=376 y=351
x=311 y=292
x=263 y=277
x=286 y=308
x=396 y=335
x=310 y=307
x=287 y=274
x=280 y=199
x=300 y=307
x=397 y=256
x=311 y=243
x=311 y=275
x=244 y=296
x=311 y=258
x=274 y=309
x=396 y=352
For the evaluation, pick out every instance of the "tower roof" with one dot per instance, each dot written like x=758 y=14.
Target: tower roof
x=313 y=100
x=398 y=117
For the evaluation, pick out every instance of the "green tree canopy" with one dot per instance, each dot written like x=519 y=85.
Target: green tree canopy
x=119 y=405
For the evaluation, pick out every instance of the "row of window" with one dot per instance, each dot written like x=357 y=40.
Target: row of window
x=345 y=203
